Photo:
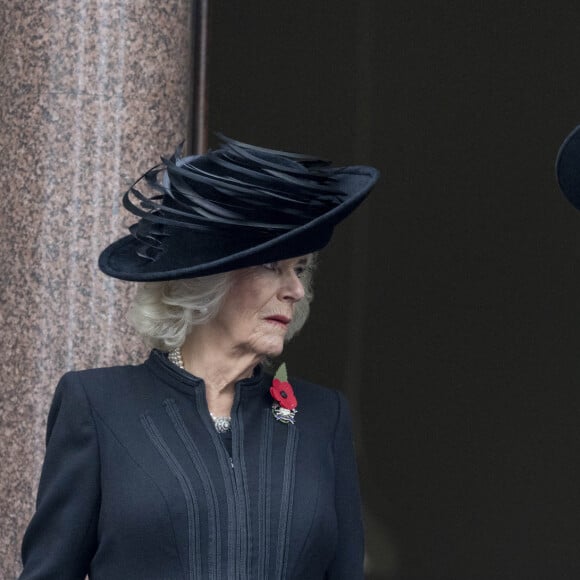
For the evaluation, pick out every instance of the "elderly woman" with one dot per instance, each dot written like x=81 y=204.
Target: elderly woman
x=198 y=464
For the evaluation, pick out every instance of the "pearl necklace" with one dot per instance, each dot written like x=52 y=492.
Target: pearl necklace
x=222 y=424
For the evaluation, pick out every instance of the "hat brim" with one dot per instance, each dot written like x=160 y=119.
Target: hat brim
x=202 y=253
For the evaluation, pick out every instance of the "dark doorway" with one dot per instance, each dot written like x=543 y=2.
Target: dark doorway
x=447 y=309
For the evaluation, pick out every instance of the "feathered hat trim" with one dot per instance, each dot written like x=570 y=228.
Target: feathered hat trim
x=237 y=206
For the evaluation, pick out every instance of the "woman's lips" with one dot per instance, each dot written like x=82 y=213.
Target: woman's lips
x=279 y=319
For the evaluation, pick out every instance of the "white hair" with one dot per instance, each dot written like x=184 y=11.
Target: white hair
x=164 y=313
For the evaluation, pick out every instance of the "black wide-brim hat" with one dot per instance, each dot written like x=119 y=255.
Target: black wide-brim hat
x=234 y=207
x=568 y=167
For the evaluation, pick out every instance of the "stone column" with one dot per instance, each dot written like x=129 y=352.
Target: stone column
x=92 y=92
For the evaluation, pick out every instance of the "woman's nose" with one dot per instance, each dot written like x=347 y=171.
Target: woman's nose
x=293 y=288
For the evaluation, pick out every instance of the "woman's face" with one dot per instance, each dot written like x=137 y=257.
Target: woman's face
x=256 y=311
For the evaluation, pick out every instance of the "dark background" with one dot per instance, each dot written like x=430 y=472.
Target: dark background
x=447 y=308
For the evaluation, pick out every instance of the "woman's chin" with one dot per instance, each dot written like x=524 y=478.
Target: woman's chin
x=273 y=348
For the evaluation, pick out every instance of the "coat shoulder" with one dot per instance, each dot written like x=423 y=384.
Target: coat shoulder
x=322 y=404
x=105 y=376
x=103 y=384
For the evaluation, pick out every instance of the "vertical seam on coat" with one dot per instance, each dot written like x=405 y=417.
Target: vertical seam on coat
x=302 y=555
x=226 y=469
x=264 y=491
x=214 y=537
x=139 y=466
x=95 y=517
x=287 y=502
x=245 y=539
x=189 y=493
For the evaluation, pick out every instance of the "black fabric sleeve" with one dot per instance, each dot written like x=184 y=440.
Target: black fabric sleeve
x=61 y=537
x=348 y=562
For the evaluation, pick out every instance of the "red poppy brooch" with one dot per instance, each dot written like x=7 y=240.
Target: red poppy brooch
x=284 y=407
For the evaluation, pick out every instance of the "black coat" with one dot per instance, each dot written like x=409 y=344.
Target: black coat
x=137 y=483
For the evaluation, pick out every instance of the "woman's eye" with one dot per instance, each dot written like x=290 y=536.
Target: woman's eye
x=300 y=272
x=270 y=265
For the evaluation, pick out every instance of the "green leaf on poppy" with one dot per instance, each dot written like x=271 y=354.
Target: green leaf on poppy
x=281 y=373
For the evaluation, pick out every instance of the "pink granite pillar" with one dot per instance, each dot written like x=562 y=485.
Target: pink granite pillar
x=92 y=91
